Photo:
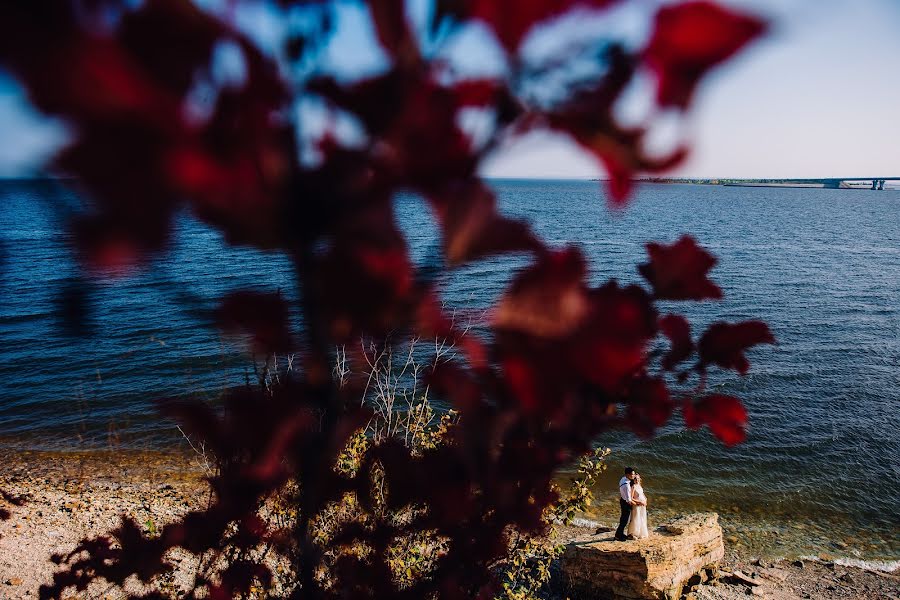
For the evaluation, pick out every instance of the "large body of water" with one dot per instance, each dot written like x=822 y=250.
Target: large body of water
x=820 y=471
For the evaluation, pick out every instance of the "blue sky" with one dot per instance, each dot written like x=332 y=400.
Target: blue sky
x=819 y=96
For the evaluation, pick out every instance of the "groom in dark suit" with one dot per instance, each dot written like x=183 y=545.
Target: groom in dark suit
x=625 y=502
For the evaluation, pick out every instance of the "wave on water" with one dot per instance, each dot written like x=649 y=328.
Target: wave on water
x=883 y=566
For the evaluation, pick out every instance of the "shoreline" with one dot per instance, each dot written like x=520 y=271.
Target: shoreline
x=71 y=495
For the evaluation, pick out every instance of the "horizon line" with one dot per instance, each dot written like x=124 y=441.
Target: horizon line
x=644 y=178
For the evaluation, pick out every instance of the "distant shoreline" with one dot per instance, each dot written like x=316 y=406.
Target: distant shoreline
x=825 y=183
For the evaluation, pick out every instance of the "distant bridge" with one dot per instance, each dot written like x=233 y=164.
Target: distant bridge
x=834 y=183
x=877 y=183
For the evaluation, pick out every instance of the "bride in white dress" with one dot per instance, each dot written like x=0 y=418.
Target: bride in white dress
x=637 y=526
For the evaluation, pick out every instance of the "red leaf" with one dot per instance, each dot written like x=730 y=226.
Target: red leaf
x=678 y=330
x=365 y=282
x=649 y=405
x=414 y=122
x=457 y=385
x=264 y=316
x=548 y=300
x=109 y=254
x=241 y=194
x=238 y=169
x=691 y=38
x=611 y=344
x=473 y=229
x=725 y=416
x=124 y=92
x=191 y=34
x=523 y=382
x=679 y=271
x=588 y=117
x=375 y=100
x=479 y=92
x=378 y=283
x=724 y=344
x=556 y=339
x=393 y=29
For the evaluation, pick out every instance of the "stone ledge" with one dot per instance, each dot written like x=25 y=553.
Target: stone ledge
x=657 y=567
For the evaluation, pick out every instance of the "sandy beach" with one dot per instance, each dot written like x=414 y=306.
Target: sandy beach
x=73 y=495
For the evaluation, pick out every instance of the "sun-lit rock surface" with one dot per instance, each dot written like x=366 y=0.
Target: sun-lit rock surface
x=658 y=567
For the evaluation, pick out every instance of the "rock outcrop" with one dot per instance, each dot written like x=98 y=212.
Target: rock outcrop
x=682 y=552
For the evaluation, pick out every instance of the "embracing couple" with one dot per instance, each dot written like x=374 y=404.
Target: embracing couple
x=633 y=503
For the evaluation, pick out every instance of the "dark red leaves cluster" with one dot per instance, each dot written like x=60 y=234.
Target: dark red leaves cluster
x=190 y=38
x=678 y=330
x=413 y=122
x=561 y=342
x=137 y=154
x=650 y=405
x=549 y=300
x=473 y=229
x=724 y=344
x=679 y=271
x=561 y=359
x=263 y=316
x=688 y=40
x=393 y=30
x=725 y=416
x=587 y=116
x=365 y=286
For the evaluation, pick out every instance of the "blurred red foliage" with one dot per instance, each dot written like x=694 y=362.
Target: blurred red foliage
x=725 y=415
x=562 y=360
x=678 y=272
x=688 y=40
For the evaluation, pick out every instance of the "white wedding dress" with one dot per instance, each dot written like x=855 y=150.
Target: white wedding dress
x=637 y=526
